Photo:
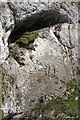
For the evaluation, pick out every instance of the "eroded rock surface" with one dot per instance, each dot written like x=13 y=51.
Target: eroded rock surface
x=46 y=68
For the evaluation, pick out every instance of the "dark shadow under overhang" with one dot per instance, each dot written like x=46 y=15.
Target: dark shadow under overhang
x=37 y=21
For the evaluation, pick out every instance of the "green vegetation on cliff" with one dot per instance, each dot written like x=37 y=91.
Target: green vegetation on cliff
x=27 y=38
x=64 y=106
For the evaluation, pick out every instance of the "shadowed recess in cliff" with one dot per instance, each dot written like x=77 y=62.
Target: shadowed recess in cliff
x=37 y=21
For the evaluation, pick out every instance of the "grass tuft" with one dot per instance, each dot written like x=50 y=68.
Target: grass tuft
x=27 y=38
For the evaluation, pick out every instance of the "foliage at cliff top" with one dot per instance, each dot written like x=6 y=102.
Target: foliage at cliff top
x=27 y=38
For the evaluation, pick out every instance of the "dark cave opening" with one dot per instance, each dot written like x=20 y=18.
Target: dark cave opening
x=37 y=21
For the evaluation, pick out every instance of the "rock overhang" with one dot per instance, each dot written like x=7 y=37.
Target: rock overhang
x=38 y=20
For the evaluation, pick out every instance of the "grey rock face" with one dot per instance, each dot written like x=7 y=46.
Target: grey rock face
x=6 y=19
x=13 y=12
x=53 y=61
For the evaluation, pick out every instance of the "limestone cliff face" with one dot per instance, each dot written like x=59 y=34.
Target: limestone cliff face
x=51 y=63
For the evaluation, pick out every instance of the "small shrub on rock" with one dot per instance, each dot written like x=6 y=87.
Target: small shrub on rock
x=27 y=38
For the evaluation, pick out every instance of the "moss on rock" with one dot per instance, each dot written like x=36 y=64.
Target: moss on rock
x=27 y=38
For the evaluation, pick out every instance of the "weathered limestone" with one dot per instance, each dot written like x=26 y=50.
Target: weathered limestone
x=55 y=56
